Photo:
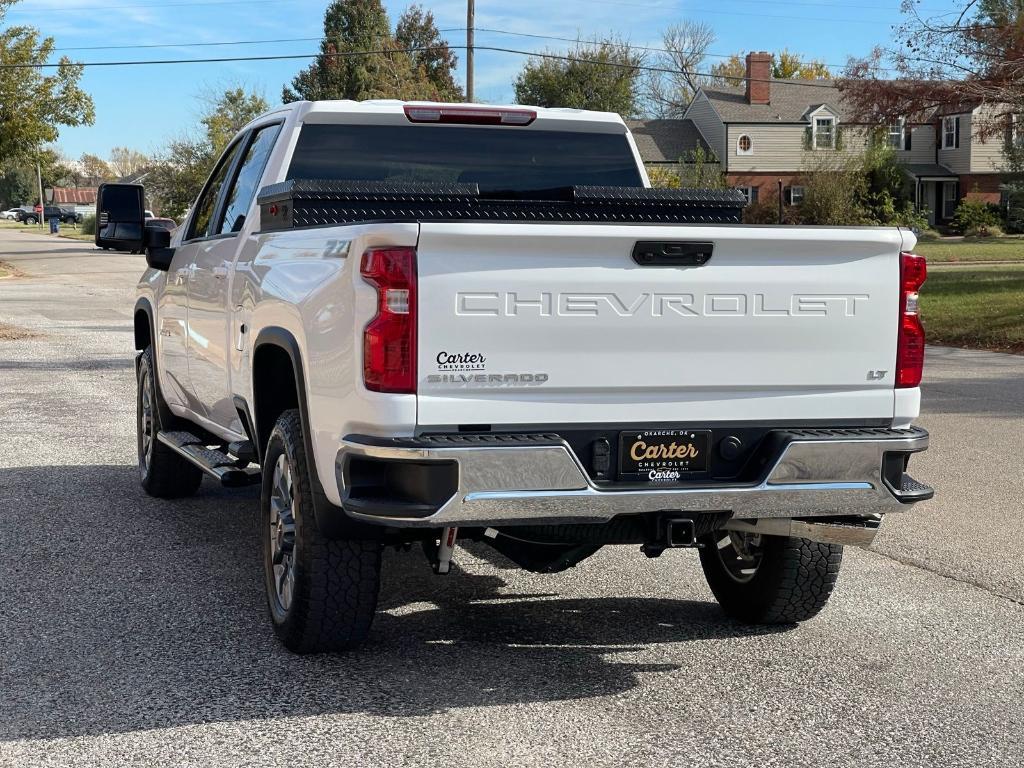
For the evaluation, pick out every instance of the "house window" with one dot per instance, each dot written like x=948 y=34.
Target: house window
x=744 y=146
x=948 y=132
x=750 y=193
x=896 y=134
x=796 y=195
x=950 y=198
x=824 y=133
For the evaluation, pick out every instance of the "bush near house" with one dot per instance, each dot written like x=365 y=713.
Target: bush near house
x=867 y=190
x=695 y=171
x=88 y=226
x=978 y=218
x=766 y=211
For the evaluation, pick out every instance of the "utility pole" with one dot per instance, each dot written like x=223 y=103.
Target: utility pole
x=470 y=20
x=42 y=202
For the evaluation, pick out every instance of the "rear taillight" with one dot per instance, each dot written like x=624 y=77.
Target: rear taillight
x=389 y=340
x=910 y=347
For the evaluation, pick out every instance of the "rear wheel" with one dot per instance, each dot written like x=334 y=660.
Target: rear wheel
x=322 y=593
x=769 y=579
x=162 y=471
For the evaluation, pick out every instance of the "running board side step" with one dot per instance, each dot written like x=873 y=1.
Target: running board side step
x=849 y=532
x=213 y=462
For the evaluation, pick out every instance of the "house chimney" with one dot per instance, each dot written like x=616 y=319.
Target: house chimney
x=759 y=75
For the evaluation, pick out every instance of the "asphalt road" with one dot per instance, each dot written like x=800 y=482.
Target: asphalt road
x=132 y=631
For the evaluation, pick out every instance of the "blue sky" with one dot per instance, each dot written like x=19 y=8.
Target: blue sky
x=141 y=107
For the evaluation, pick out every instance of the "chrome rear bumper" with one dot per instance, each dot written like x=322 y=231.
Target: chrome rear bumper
x=513 y=479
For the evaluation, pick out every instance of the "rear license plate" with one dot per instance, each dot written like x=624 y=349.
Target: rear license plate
x=662 y=455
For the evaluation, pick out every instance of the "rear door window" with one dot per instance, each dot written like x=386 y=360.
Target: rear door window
x=239 y=197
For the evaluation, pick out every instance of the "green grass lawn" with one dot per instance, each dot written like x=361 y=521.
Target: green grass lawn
x=66 y=230
x=985 y=249
x=982 y=308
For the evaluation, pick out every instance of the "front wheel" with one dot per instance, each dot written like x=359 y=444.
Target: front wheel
x=322 y=593
x=769 y=579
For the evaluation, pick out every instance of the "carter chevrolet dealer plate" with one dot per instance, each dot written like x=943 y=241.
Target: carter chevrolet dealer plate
x=662 y=455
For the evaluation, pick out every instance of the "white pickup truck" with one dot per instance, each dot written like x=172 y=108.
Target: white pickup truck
x=417 y=323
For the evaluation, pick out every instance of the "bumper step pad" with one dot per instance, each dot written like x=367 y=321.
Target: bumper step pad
x=910 y=490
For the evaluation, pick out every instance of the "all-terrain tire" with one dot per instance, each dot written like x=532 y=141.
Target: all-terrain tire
x=332 y=595
x=163 y=472
x=792 y=582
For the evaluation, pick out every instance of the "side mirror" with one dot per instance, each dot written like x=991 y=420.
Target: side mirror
x=120 y=217
x=158 y=248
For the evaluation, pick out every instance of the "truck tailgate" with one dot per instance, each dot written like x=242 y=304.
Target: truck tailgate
x=523 y=324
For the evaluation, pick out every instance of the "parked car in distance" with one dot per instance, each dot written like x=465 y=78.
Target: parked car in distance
x=10 y=215
x=52 y=211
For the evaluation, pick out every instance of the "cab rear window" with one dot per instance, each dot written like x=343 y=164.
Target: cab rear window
x=496 y=159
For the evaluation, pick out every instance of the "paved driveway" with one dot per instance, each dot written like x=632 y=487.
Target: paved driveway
x=132 y=631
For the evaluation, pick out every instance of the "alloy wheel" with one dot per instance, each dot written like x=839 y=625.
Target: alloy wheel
x=740 y=554
x=282 y=534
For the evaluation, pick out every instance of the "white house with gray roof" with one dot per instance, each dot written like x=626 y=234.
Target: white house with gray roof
x=764 y=132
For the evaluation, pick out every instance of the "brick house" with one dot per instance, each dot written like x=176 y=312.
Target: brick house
x=762 y=133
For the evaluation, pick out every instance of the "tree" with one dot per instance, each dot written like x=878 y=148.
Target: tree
x=17 y=184
x=227 y=113
x=731 y=71
x=181 y=169
x=125 y=162
x=360 y=58
x=33 y=105
x=685 y=49
x=594 y=75
x=970 y=57
x=789 y=66
x=96 y=168
x=785 y=66
x=434 y=61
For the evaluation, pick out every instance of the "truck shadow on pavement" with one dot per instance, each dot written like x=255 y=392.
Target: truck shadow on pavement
x=123 y=613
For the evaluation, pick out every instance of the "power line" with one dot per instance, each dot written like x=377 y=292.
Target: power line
x=152 y=6
x=346 y=54
x=628 y=46
x=160 y=6
x=188 y=45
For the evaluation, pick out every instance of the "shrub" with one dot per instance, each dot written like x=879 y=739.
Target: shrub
x=927 y=234
x=662 y=177
x=89 y=225
x=984 y=230
x=766 y=211
x=696 y=171
x=974 y=215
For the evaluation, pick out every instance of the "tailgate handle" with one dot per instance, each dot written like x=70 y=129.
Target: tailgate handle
x=671 y=253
